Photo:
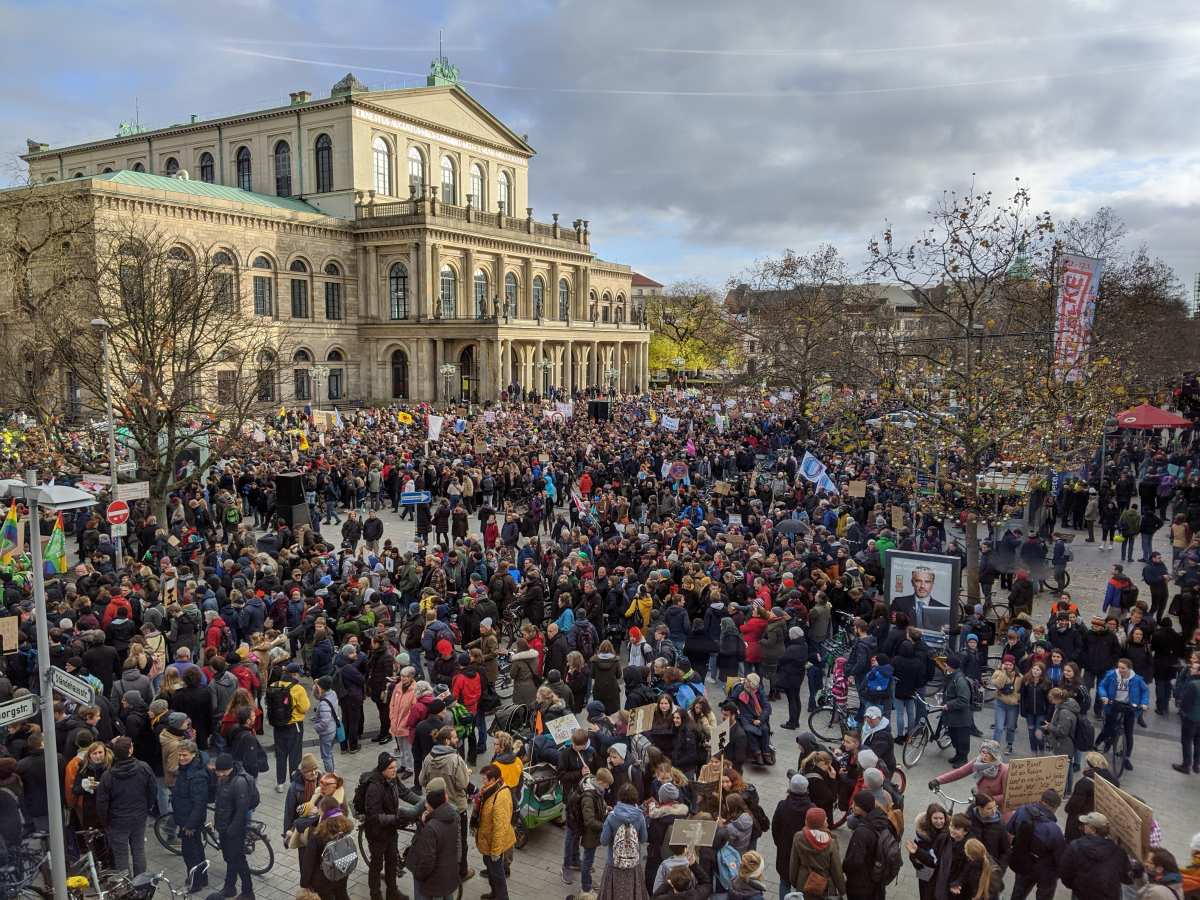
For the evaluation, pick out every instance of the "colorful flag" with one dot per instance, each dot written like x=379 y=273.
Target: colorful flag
x=811 y=468
x=303 y=441
x=669 y=423
x=690 y=447
x=653 y=415
x=825 y=483
x=435 y=427
x=55 y=560
x=10 y=536
x=404 y=418
x=282 y=413
x=337 y=418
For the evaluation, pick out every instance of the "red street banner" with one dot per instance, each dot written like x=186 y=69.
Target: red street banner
x=1078 y=287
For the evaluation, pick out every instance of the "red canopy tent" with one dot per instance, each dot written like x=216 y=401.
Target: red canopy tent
x=1147 y=416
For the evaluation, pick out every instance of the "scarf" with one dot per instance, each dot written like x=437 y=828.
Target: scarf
x=984 y=770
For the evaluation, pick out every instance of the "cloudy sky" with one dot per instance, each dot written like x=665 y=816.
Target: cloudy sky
x=695 y=136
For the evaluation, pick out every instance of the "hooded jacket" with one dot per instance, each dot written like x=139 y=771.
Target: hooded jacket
x=189 y=796
x=1037 y=841
x=132 y=680
x=1095 y=867
x=623 y=814
x=1060 y=731
x=814 y=850
x=637 y=692
x=434 y=854
x=860 y=853
x=444 y=762
x=606 y=674
x=786 y=823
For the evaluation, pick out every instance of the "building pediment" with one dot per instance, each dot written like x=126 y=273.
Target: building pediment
x=450 y=109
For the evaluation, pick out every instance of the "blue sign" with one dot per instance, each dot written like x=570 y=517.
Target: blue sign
x=413 y=498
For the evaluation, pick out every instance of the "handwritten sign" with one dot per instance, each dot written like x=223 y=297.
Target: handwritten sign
x=641 y=718
x=857 y=489
x=9 y=637
x=721 y=488
x=1145 y=813
x=693 y=833
x=718 y=738
x=1125 y=825
x=562 y=728
x=1028 y=777
x=897 y=517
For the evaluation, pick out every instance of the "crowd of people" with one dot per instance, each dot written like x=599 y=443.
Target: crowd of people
x=663 y=587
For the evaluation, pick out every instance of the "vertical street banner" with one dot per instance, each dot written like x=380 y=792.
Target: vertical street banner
x=1078 y=288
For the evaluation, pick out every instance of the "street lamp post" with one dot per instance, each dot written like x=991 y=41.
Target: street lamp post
x=102 y=328
x=545 y=365
x=318 y=372
x=611 y=374
x=448 y=371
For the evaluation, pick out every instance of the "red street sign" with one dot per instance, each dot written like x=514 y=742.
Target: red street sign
x=118 y=512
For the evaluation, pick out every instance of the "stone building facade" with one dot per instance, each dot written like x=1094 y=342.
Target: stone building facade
x=389 y=235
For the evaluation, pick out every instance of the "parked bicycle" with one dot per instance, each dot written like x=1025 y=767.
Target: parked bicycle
x=925 y=731
x=259 y=853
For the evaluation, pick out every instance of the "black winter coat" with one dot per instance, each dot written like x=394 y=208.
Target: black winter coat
x=1101 y=649
x=785 y=823
x=792 y=666
x=127 y=793
x=433 y=857
x=1094 y=867
x=382 y=806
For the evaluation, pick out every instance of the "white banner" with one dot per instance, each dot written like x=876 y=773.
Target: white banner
x=566 y=410
x=670 y=424
x=435 y=427
x=1078 y=288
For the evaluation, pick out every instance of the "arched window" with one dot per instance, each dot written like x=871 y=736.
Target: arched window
x=299 y=289
x=323 y=156
x=77 y=175
x=266 y=377
x=283 y=169
x=336 y=376
x=416 y=170
x=383 y=166
x=302 y=356
x=504 y=194
x=479 y=187
x=107 y=169
x=481 y=292
x=225 y=277
x=207 y=170
x=539 y=295
x=172 y=166
x=564 y=299
x=243 y=169
x=398 y=292
x=510 y=292
x=301 y=382
x=262 y=288
x=449 y=292
x=137 y=167
x=50 y=178
x=333 y=293
x=399 y=375
x=449 y=181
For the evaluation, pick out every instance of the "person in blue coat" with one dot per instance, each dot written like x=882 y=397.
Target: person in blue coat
x=189 y=808
x=1124 y=695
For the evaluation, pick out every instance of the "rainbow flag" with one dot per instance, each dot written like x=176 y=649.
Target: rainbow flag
x=55 y=561
x=10 y=536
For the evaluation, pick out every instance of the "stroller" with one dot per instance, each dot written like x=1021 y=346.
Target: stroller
x=540 y=800
x=516 y=719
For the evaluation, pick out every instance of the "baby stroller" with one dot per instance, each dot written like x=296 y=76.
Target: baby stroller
x=540 y=800
x=516 y=719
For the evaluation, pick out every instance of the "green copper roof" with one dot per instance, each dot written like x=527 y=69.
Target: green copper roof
x=204 y=189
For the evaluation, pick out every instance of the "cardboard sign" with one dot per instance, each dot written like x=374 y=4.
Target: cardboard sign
x=1145 y=813
x=718 y=738
x=9 y=635
x=1030 y=776
x=711 y=771
x=641 y=719
x=562 y=728
x=1126 y=826
x=480 y=448
x=693 y=833
x=857 y=489
x=721 y=488
x=897 y=517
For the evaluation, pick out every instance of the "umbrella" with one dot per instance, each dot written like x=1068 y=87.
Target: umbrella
x=792 y=526
x=1147 y=416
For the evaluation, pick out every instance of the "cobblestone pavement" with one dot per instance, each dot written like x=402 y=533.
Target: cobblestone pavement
x=536 y=868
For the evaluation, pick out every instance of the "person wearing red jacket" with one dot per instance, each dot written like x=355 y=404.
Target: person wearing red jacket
x=217 y=629
x=752 y=631
x=467 y=688
x=118 y=601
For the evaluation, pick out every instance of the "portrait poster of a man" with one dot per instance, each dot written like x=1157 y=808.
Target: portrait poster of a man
x=922 y=586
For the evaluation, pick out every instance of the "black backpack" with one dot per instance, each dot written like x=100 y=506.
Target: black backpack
x=887 y=862
x=279 y=704
x=1084 y=736
x=359 y=803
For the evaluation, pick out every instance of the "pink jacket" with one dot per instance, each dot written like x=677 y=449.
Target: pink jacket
x=993 y=787
x=399 y=708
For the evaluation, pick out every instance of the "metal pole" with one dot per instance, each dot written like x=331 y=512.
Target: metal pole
x=58 y=850
x=112 y=437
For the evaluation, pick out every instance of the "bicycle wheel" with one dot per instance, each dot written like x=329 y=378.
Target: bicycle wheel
x=364 y=847
x=900 y=779
x=1002 y=612
x=1117 y=752
x=167 y=833
x=826 y=723
x=914 y=747
x=259 y=853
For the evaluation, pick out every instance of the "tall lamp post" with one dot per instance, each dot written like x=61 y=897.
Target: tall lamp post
x=611 y=375
x=545 y=365
x=102 y=328
x=318 y=372
x=448 y=370
x=56 y=498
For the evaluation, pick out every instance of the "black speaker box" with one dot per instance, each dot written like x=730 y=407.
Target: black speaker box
x=289 y=489
x=295 y=514
x=599 y=410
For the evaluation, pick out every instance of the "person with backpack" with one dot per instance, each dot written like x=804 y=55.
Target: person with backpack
x=237 y=796
x=494 y=833
x=872 y=859
x=623 y=833
x=287 y=705
x=383 y=805
x=586 y=813
x=1067 y=723
x=1037 y=847
x=127 y=792
x=329 y=854
x=327 y=722
x=189 y=809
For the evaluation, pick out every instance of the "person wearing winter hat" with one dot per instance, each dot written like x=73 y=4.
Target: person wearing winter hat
x=988 y=769
x=1006 y=681
x=287 y=704
x=236 y=794
x=786 y=822
x=873 y=780
x=959 y=714
x=814 y=864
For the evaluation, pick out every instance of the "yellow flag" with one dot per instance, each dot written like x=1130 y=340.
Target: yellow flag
x=653 y=415
x=282 y=413
x=303 y=441
x=404 y=418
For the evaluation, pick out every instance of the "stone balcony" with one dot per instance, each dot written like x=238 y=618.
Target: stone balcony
x=428 y=210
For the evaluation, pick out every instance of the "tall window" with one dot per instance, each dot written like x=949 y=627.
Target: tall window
x=399 y=375
x=333 y=293
x=299 y=299
x=539 y=296
x=481 y=292
x=383 y=166
x=262 y=288
x=172 y=166
x=207 y=170
x=283 y=169
x=564 y=300
x=479 y=187
x=301 y=382
x=510 y=292
x=323 y=156
x=416 y=170
x=266 y=378
x=337 y=376
x=226 y=282
x=243 y=168
x=398 y=292
x=227 y=386
x=504 y=194
x=449 y=181
x=449 y=292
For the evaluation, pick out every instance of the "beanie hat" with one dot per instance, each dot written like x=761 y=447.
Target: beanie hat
x=873 y=778
x=224 y=763
x=176 y=720
x=815 y=817
x=436 y=785
x=384 y=760
x=444 y=648
x=953 y=662
x=867 y=759
x=795 y=633
x=668 y=793
x=1009 y=658
x=864 y=801
x=798 y=784
x=635 y=633
x=973 y=637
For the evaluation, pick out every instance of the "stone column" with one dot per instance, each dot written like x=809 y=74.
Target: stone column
x=415 y=279
x=568 y=367
x=594 y=367
x=585 y=294
x=469 y=267
x=435 y=369
x=373 y=281
x=434 y=281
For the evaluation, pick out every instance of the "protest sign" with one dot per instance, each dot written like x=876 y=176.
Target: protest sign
x=721 y=488
x=1029 y=776
x=718 y=737
x=693 y=833
x=9 y=636
x=857 y=488
x=897 y=517
x=1126 y=824
x=641 y=718
x=561 y=729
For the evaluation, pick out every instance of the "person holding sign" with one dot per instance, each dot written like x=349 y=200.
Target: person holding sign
x=1095 y=866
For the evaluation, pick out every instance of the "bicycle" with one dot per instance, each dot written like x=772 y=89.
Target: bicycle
x=260 y=855
x=952 y=803
x=148 y=883
x=920 y=736
x=21 y=867
x=1115 y=714
x=831 y=719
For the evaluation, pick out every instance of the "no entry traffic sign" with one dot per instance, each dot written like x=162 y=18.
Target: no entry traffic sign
x=118 y=512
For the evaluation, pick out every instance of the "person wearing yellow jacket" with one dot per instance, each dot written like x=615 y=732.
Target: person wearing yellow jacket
x=494 y=835
x=286 y=697
x=641 y=606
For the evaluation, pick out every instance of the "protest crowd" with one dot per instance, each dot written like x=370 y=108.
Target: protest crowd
x=615 y=632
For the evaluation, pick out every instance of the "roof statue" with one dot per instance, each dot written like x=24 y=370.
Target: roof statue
x=442 y=72
x=128 y=129
x=348 y=85
x=1021 y=268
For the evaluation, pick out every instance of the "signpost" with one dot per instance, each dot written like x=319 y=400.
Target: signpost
x=134 y=490
x=71 y=687
x=18 y=710
x=118 y=530
x=415 y=498
x=117 y=512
